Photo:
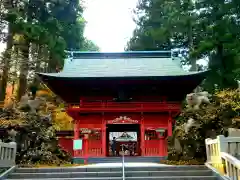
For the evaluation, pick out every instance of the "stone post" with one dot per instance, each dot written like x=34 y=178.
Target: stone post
x=207 y=150
x=222 y=147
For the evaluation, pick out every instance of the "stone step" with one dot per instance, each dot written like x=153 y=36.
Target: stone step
x=134 y=178
x=107 y=169
x=110 y=174
x=127 y=159
x=107 y=173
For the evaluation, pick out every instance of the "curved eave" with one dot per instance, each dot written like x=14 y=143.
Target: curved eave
x=74 y=76
x=71 y=88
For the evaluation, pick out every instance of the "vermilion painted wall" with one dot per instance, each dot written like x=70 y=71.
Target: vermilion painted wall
x=98 y=121
x=158 y=120
x=91 y=121
x=66 y=144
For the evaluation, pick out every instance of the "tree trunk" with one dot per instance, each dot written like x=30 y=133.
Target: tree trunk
x=6 y=63
x=46 y=58
x=24 y=66
x=193 y=64
x=52 y=64
x=193 y=60
x=37 y=61
x=15 y=58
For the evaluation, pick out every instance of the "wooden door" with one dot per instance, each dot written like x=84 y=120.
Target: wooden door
x=154 y=144
x=95 y=144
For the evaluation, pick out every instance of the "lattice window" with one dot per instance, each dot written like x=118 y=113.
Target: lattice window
x=151 y=135
x=96 y=135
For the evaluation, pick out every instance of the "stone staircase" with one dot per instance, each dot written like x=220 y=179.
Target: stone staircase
x=106 y=173
x=128 y=159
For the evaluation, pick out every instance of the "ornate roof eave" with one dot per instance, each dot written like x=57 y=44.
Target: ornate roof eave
x=71 y=88
x=65 y=76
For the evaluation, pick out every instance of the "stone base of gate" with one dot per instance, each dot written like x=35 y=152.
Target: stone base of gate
x=96 y=160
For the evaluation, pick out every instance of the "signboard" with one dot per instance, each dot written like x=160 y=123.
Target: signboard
x=85 y=130
x=123 y=120
x=77 y=144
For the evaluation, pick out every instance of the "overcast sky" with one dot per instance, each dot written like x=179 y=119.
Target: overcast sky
x=109 y=23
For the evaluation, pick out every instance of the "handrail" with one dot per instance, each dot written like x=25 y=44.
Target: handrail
x=7 y=154
x=232 y=166
x=123 y=163
x=231 y=159
x=222 y=154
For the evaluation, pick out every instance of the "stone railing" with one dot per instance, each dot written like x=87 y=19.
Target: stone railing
x=7 y=154
x=231 y=166
x=223 y=153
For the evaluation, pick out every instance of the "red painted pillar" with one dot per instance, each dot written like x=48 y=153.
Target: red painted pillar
x=85 y=146
x=142 y=136
x=161 y=145
x=76 y=135
x=169 y=124
x=104 y=145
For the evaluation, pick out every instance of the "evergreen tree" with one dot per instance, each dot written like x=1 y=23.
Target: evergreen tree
x=206 y=29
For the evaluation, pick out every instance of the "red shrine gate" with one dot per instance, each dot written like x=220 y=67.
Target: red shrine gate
x=153 y=122
x=130 y=88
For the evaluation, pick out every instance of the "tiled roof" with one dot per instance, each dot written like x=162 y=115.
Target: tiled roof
x=121 y=67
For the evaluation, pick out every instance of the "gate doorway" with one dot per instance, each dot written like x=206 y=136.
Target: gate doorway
x=126 y=135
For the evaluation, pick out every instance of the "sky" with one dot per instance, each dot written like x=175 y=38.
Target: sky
x=109 y=23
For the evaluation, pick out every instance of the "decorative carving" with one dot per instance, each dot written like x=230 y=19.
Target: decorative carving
x=123 y=120
x=194 y=100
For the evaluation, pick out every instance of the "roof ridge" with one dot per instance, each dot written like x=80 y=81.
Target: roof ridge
x=112 y=55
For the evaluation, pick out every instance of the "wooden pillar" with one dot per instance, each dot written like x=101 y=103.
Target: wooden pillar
x=161 y=145
x=85 y=148
x=169 y=124
x=104 y=145
x=142 y=136
x=76 y=136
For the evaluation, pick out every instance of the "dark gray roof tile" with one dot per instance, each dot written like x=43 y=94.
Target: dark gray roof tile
x=120 y=67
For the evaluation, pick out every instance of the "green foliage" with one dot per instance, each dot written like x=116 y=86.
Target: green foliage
x=89 y=45
x=55 y=24
x=209 y=121
x=206 y=28
x=34 y=131
x=39 y=32
x=162 y=24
